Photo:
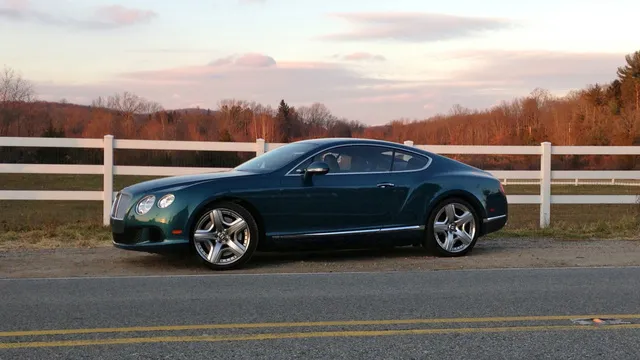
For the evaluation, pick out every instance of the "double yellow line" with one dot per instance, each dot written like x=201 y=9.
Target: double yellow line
x=308 y=334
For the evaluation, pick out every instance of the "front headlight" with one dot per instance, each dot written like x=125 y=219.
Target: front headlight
x=145 y=204
x=166 y=200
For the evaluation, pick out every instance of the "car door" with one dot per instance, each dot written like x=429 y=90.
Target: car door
x=351 y=198
x=412 y=189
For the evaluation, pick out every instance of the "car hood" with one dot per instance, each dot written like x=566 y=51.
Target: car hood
x=178 y=182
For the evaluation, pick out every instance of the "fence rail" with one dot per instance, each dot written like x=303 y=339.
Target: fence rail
x=543 y=178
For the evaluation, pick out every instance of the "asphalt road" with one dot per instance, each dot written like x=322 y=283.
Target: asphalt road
x=470 y=314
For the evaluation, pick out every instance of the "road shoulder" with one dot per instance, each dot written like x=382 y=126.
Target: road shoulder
x=488 y=254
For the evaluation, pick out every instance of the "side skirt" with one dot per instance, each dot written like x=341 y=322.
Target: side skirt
x=353 y=239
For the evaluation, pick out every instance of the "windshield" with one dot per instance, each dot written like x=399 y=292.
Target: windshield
x=276 y=158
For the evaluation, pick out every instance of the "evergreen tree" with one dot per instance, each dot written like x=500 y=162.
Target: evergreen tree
x=284 y=121
x=629 y=75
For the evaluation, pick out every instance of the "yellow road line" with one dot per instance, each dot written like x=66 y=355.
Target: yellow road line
x=307 y=335
x=309 y=324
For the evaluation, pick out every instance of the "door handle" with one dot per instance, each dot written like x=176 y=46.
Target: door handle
x=385 y=185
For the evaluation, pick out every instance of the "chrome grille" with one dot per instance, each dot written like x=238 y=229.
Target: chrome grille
x=114 y=206
x=120 y=206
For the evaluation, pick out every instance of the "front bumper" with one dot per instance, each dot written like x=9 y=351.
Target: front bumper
x=153 y=233
x=145 y=238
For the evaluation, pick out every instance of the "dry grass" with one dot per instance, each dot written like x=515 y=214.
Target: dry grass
x=574 y=190
x=62 y=236
x=54 y=224
x=574 y=222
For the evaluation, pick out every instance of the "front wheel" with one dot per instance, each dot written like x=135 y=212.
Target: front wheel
x=225 y=236
x=452 y=228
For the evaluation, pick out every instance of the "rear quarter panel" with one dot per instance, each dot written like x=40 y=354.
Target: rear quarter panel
x=450 y=178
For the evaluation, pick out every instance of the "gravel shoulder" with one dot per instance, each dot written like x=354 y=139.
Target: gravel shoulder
x=488 y=254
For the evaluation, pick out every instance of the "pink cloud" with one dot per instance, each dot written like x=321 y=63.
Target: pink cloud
x=107 y=17
x=549 y=69
x=120 y=15
x=245 y=60
x=363 y=56
x=413 y=27
x=19 y=5
x=393 y=98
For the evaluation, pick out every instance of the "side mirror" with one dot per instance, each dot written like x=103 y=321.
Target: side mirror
x=316 y=168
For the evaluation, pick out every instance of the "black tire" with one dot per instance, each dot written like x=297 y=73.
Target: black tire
x=229 y=209
x=432 y=244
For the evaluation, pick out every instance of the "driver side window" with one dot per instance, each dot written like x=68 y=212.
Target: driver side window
x=352 y=159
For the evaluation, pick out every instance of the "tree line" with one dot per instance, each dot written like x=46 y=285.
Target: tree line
x=600 y=114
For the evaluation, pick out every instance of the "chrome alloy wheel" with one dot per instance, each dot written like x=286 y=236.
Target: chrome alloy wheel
x=221 y=236
x=454 y=227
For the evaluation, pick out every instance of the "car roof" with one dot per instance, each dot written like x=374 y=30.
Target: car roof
x=329 y=142
x=340 y=141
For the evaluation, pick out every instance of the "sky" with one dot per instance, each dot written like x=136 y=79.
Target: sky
x=372 y=61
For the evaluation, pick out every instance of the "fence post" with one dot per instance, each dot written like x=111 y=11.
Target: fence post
x=408 y=142
x=545 y=185
x=260 y=147
x=107 y=182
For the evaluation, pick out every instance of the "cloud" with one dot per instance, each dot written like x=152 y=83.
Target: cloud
x=107 y=17
x=547 y=69
x=119 y=15
x=413 y=27
x=16 y=4
x=363 y=56
x=485 y=79
x=169 y=50
x=245 y=60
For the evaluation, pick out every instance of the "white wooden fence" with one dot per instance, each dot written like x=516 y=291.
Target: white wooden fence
x=108 y=170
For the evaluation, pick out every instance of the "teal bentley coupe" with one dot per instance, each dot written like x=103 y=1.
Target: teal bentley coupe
x=314 y=194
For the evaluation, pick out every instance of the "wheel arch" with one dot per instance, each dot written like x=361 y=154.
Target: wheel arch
x=461 y=194
x=228 y=198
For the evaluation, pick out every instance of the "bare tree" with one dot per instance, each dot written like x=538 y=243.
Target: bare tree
x=127 y=105
x=99 y=102
x=237 y=115
x=316 y=115
x=14 y=88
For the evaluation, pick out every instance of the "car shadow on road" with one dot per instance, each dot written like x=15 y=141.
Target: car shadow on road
x=300 y=260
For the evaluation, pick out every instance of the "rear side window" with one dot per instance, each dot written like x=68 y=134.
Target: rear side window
x=406 y=161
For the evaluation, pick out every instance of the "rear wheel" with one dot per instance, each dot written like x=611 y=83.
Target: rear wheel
x=225 y=236
x=453 y=228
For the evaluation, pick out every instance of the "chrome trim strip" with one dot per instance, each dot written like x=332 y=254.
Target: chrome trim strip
x=403 y=228
x=429 y=161
x=114 y=206
x=352 y=232
x=494 y=218
x=117 y=205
